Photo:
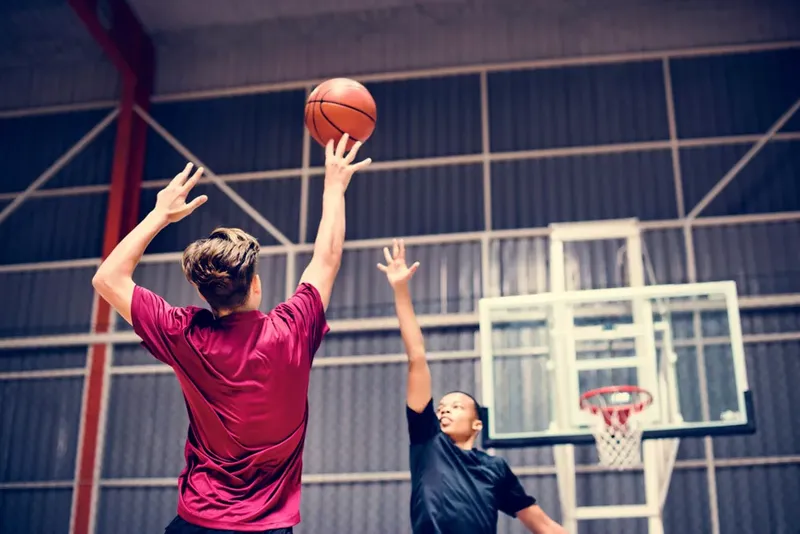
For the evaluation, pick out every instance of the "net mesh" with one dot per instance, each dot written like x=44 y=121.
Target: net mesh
x=618 y=425
x=618 y=443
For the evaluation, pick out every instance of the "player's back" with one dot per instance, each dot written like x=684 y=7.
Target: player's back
x=245 y=379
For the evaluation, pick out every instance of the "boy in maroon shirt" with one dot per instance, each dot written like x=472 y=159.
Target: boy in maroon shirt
x=244 y=374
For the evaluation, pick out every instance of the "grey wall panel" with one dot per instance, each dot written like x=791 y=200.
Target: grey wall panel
x=759 y=499
x=734 y=94
x=448 y=281
x=29 y=145
x=772 y=371
x=39 y=511
x=369 y=507
x=666 y=251
x=167 y=280
x=146 y=427
x=519 y=266
x=753 y=255
x=687 y=506
x=277 y=200
x=770 y=321
x=135 y=510
x=535 y=193
x=230 y=135
x=42 y=358
x=577 y=106
x=361 y=409
x=35 y=231
x=56 y=301
x=768 y=183
x=37 y=85
x=389 y=342
x=433 y=200
x=423 y=118
x=456 y=34
x=39 y=437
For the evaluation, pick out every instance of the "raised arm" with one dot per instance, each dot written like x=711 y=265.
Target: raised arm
x=114 y=278
x=327 y=257
x=418 y=393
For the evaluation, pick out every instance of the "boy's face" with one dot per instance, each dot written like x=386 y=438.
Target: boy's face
x=458 y=416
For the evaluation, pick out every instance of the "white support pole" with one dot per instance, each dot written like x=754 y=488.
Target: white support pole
x=744 y=160
x=305 y=177
x=673 y=137
x=233 y=195
x=59 y=164
x=697 y=325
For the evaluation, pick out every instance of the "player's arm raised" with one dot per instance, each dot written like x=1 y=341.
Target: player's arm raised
x=324 y=266
x=418 y=394
x=538 y=522
x=114 y=278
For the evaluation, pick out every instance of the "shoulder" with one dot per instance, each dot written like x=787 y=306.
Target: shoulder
x=496 y=464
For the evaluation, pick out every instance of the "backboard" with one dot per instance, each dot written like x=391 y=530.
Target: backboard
x=683 y=343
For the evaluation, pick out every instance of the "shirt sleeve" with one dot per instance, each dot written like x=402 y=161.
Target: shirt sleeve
x=154 y=320
x=304 y=314
x=422 y=426
x=511 y=496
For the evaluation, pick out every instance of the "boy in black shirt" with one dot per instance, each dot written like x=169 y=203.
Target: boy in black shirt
x=455 y=488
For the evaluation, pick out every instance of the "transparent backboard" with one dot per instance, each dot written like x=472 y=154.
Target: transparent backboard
x=683 y=343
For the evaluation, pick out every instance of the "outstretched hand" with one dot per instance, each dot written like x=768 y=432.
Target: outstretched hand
x=339 y=167
x=171 y=201
x=396 y=270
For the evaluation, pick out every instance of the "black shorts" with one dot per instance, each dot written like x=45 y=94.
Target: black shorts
x=181 y=526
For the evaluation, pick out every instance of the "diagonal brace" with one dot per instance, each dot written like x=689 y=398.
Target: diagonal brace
x=736 y=169
x=59 y=164
x=234 y=196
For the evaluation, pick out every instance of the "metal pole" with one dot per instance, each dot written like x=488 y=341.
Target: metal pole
x=723 y=183
x=233 y=195
x=59 y=164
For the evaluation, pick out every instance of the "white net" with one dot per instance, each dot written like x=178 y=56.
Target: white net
x=618 y=442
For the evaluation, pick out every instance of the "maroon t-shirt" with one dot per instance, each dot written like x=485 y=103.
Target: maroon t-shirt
x=245 y=380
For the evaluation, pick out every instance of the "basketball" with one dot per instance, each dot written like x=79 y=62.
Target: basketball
x=340 y=106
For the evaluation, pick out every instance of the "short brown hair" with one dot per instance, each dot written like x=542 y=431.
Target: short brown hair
x=222 y=266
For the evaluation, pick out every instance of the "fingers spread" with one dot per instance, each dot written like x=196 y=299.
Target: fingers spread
x=361 y=165
x=395 y=249
x=190 y=183
x=387 y=255
x=181 y=176
x=342 y=145
x=414 y=267
x=382 y=268
x=196 y=203
x=329 y=149
x=353 y=151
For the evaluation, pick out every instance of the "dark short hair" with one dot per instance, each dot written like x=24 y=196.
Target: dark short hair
x=474 y=400
x=222 y=267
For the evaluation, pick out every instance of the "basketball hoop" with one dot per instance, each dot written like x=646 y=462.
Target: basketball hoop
x=618 y=429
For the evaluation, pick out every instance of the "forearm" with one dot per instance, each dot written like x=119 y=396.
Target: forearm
x=329 y=243
x=114 y=278
x=126 y=255
x=419 y=389
x=410 y=330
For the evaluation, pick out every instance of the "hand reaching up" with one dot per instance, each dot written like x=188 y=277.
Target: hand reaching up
x=396 y=270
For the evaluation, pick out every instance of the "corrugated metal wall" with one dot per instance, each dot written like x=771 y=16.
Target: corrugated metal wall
x=572 y=143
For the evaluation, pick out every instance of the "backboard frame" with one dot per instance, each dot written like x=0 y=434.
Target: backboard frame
x=711 y=428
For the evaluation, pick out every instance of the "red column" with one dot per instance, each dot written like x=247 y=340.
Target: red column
x=130 y=49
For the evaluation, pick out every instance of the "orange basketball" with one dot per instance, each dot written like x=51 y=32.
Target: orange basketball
x=340 y=106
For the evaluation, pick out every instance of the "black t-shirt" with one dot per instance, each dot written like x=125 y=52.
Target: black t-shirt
x=454 y=491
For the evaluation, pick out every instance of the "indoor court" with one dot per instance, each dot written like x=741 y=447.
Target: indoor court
x=604 y=198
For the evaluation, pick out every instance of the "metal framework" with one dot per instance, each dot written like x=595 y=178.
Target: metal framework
x=686 y=222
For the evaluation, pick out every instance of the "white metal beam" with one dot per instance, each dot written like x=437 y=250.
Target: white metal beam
x=744 y=160
x=233 y=195
x=59 y=164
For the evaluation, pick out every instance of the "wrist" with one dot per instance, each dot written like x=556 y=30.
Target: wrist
x=158 y=218
x=401 y=288
x=333 y=188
